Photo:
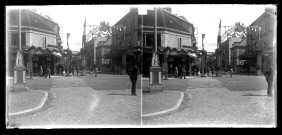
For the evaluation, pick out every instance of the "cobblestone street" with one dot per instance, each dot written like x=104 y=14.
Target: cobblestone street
x=71 y=102
x=207 y=103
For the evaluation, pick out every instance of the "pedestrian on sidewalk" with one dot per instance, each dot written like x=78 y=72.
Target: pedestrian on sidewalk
x=44 y=71
x=180 y=72
x=41 y=71
x=72 y=70
x=183 y=72
x=132 y=71
x=212 y=71
x=48 y=72
x=77 y=70
x=96 y=71
x=231 y=71
x=268 y=69
x=176 y=72
x=208 y=71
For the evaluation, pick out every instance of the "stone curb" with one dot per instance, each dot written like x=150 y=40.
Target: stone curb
x=32 y=109
x=167 y=110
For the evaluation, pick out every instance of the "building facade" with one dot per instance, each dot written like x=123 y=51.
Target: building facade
x=259 y=38
x=227 y=46
x=40 y=41
x=103 y=47
x=135 y=33
x=238 y=49
x=94 y=55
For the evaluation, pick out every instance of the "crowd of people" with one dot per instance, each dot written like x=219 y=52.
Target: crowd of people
x=180 y=72
x=44 y=71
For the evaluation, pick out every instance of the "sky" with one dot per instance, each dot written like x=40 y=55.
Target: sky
x=204 y=17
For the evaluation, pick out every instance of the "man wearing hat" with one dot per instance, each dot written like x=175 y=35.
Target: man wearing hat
x=268 y=69
x=132 y=71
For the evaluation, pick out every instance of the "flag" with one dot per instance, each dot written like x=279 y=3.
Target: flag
x=84 y=34
x=219 y=35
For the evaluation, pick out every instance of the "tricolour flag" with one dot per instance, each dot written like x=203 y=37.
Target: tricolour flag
x=84 y=34
x=219 y=35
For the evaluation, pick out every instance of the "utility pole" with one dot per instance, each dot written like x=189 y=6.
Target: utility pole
x=203 y=57
x=19 y=69
x=68 y=59
x=155 y=81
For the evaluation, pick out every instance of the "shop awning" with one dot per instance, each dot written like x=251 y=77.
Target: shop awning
x=57 y=54
x=192 y=55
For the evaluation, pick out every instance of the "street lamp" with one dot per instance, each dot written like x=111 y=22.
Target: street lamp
x=203 y=56
x=68 y=60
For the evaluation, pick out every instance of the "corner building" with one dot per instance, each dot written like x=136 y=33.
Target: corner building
x=134 y=38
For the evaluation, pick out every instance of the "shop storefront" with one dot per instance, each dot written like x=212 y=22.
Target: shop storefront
x=37 y=57
x=169 y=60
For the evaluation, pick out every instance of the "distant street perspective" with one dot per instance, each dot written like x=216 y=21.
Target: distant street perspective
x=135 y=66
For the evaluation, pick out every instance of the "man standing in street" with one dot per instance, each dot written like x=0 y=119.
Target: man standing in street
x=268 y=70
x=77 y=70
x=183 y=72
x=48 y=72
x=132 y=71
x=176 y=72
x=96 y=71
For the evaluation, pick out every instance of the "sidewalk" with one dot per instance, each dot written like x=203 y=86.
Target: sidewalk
x=162 y=102
x=25 y=102
x=22 y=102
x=157 y=103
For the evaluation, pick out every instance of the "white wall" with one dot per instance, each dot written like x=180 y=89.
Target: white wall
x=35 y=38
x=169 y=39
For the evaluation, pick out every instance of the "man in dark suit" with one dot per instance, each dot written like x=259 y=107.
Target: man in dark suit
x=132 y=71
x=268 y=70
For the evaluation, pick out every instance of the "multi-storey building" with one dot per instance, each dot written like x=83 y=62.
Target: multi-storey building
x=135 y=33
x=227 y=51
x=40 y=40
x=237 y=49
x=94 y=55
x=103 y=47
x=260 y=37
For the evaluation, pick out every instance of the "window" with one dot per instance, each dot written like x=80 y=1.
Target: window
x=179 y=43
x=14 y=39
x=44 y=42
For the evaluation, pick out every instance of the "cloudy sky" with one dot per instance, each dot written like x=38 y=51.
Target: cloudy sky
x=205 y=17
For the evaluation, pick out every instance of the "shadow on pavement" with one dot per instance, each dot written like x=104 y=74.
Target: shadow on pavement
x=253 y=95
x=119 y=94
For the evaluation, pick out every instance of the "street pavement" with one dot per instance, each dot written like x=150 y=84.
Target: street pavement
x=81 y=101
x=208 y=104
x=72 y=103
x=110 y=82
x=243 y=82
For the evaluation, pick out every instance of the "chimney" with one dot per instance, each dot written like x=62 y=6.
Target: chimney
x=133 y=9
x=168 y=9
x=270 y=9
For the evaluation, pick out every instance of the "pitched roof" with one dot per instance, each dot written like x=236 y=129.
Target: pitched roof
x=31 y=19
x=167 y=20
